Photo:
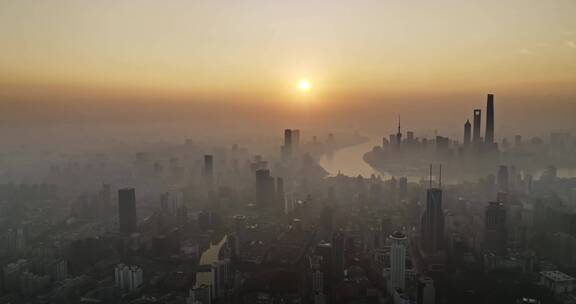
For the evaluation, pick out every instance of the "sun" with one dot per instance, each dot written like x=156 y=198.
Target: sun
x=304 y=85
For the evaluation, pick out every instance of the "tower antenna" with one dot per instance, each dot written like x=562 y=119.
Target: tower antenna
x=440 y=178
x=430 y=177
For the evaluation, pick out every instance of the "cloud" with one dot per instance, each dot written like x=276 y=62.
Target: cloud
x=571 y=44
x=525 y=51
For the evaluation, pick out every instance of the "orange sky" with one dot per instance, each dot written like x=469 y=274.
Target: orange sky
x=257 y=50
x=202 y=47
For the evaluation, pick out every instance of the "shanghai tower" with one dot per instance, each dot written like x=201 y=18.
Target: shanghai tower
x=489 y=138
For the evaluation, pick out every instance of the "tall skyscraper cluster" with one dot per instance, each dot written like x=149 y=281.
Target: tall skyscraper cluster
x=473 y=137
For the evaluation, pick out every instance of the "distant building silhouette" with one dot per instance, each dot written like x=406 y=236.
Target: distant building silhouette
x=127 y=210
x=209 y=169
x=477 y=125
x=398 y=135
x=295 y=140
x=467 y=133
x=517 y=140
x=442 y=145
x=410 y=137
x=291 y=143
x=489 y=137
x=264 y=188
x=287 y=147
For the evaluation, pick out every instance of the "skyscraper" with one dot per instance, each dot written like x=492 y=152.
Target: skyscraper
x=295 y=139
x=239 y=223
x=489 y=137
x=410 y=137
x=288 y=138
x=467 y=133
x=495 y=233
x=209 y=169
x=280 y=199
x=426 y=292
x=264 y=188
x=503 y=179
x=398 y=135
x=432 y=227
x=317 y=283
x=200 y=294
x=338 y=257
x=397 y=260
x=318 y=287
x=127 y=210
x=477 y=124
x=403 y=188
x=221 y=277
x=287 y=147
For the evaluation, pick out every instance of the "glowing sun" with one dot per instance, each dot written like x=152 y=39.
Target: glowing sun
x=304 y=85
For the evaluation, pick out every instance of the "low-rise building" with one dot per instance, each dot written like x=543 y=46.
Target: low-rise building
x=557 y=281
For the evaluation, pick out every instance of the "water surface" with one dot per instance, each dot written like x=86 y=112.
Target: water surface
x=208 y=257
x=349 y=161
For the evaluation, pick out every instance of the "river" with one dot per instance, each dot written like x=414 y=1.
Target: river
x=208 y=257
x=349 y=161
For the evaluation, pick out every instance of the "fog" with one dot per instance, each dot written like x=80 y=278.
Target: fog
x=55 y=119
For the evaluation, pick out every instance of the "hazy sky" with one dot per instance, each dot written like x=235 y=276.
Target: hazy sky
x=362 y=50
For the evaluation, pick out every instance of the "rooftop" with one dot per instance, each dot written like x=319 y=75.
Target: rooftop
x=556 y=276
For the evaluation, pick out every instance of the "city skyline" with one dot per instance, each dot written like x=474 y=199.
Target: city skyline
x=178 y=56
x=293 y=152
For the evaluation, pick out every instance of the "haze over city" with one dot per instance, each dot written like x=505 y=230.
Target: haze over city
x=288 y=152
x=135 y=61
